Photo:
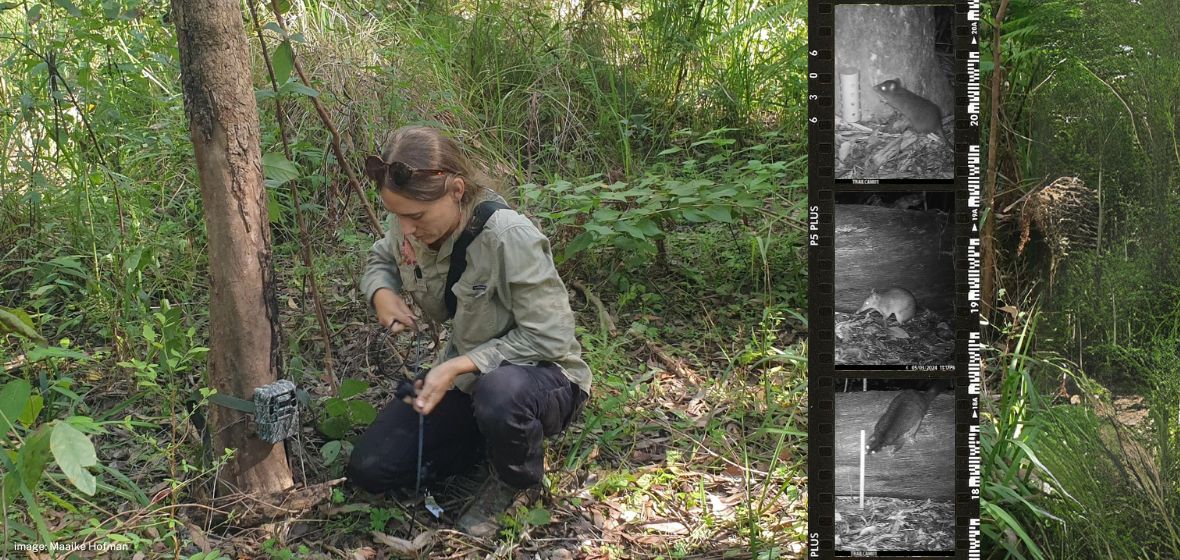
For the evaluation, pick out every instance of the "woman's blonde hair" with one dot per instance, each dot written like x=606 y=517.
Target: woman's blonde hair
x=424 y=147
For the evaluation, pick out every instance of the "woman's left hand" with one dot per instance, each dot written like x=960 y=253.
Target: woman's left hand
x=439 y=380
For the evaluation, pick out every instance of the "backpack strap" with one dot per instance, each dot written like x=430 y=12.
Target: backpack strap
x=479 y=218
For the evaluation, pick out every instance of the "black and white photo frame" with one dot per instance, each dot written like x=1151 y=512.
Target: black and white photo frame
x=894 y=177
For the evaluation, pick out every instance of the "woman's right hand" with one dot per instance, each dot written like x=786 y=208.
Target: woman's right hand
x=392 y=311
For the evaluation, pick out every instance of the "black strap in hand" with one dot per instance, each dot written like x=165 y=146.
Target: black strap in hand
x=479 y=218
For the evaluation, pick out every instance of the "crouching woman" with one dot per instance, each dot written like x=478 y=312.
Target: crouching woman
x=511 y=372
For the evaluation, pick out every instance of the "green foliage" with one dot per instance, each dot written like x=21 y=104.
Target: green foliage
x=16 y=321
x=171 y=351
x=1084 y=109
x=14 y=399
x=379 y=518
x=1009 y=436
x=211 y=555
x=74 y=452
x=342 y=413
x=1139 y=518
x=1080 y=107
x=276 y=551
x=633 y=218
x=515 y=523
x=26 y=456
x=1038 y=500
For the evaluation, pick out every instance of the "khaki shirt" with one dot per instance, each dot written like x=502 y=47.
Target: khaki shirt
x=512 y=305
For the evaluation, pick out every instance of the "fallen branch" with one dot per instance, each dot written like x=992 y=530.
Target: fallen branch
x=672 y=363
x=604 y=317
x=15 y=364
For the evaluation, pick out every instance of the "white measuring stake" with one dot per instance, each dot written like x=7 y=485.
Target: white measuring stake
x=862 y=469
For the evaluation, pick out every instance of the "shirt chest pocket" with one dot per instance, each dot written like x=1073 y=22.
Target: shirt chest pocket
x=479 y=315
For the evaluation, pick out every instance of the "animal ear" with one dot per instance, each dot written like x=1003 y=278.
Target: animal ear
x=375 y=168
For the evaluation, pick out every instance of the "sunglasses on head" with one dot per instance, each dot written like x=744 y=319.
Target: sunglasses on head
x=399 y=172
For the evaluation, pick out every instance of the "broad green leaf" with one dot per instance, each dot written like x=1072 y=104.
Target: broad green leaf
x=8 y=5
x=580 y=243
x=71 y=265
x=330 y=451
x=336 y=407
x=606 y=215
x=362 y=412
x=635 y=246
x=748 y=202
x=33 y=456
x=68 y=7
x=111 y=9
x=649 y=228
x=352 y=388
x=630 y=229
x=86 y=425
x=11 y=486
x=38 y=354
x=281 y=61
x=274 y=210
x=19 y=323
x=715 y=142
x=13 y=400
x=132 y=262
x=719 y=213
x=538 y=516
x=669 y=151
x=284 y=6
x=33 y=15
x=275 y=28
x=599 y=229
x=335 y=427
x=262 y=94
x=59 y=389
x=74 y=452
x=32 y=410
x=296 y=88
x=278 y=168
x=694 y=216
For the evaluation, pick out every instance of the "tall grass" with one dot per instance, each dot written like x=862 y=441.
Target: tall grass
x=1072 y=481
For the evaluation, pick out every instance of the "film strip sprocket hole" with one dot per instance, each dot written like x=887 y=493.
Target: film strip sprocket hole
x=894 y=171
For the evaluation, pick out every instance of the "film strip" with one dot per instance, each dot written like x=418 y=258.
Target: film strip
x=894 y=170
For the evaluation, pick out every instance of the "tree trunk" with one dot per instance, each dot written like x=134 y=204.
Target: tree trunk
x=243 y=313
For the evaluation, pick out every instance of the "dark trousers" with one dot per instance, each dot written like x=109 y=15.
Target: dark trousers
x=509 y=413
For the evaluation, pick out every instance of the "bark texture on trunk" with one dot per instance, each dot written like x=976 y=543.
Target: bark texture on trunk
x=243 y=313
